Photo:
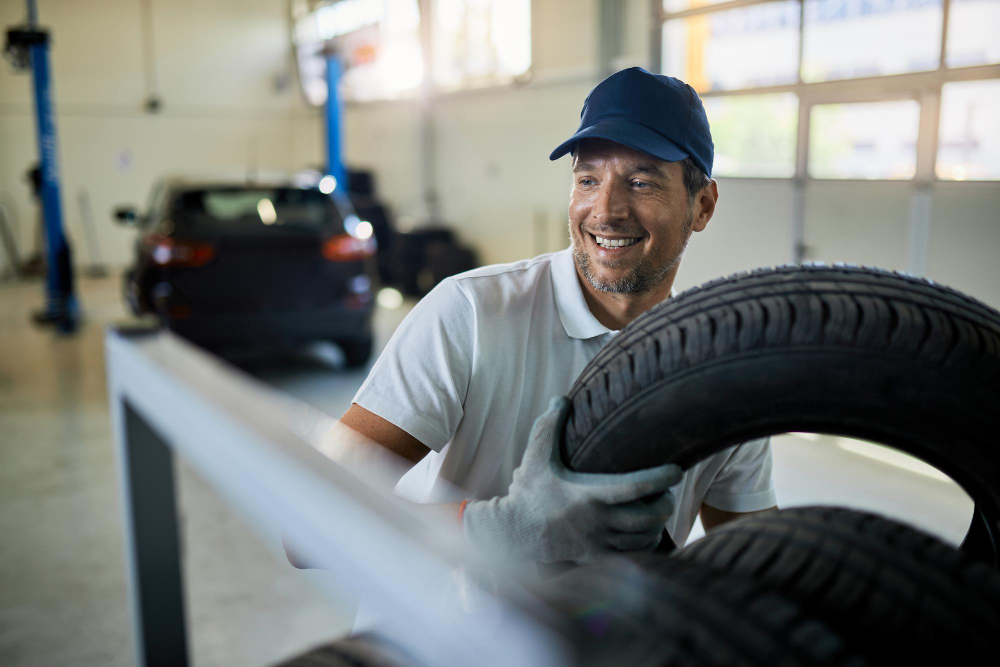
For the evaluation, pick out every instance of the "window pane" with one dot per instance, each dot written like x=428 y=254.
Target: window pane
x=378 y=41
x=874 y=140
x=969 y=138
x=973 y=29
x=681 y=5
x=481 y=42
x=754 y=135
x=844 y=39
x=738 y=48
x=384 y=60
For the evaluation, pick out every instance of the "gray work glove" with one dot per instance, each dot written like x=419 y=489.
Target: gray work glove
x=552 y=514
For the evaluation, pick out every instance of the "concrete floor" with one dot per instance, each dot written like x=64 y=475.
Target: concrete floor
x=62 y=581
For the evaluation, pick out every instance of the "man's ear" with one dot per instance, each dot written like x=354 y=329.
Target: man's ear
x=704 y=206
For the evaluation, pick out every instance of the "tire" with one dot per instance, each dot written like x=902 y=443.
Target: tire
x=849 y=351
x=653 y=611
x=362 y=650
x=892 y=593
x=357 y=352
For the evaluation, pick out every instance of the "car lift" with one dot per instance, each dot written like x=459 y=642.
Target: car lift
x=27 y=47
x=334 y=159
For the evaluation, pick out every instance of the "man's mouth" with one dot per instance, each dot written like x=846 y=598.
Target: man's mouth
x=616 y=243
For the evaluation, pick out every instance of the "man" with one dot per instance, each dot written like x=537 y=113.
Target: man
x=461 y=389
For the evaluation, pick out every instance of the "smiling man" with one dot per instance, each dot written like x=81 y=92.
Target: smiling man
x=464 y=390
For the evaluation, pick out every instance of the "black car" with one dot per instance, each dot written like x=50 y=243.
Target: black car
x=236 y=264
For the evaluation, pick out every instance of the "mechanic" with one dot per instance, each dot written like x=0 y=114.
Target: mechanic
x=464 y=390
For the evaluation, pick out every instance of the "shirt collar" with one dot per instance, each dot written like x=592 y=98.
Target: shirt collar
x=574 y=312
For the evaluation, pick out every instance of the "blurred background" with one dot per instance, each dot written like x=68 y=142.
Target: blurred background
x=861 y=131
x=832 y=119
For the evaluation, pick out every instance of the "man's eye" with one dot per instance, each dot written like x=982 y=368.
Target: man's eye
x=641 y=185
x=586 y=181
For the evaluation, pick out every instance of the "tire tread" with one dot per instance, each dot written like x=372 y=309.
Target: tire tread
x=788 y=308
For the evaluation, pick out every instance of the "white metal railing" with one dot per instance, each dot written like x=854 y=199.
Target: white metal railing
x=168 y=397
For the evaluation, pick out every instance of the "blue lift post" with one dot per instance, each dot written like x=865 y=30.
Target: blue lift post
x=28 y=47
x=334 y=159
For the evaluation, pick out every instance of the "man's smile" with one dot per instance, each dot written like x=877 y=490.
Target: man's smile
x=614 y=245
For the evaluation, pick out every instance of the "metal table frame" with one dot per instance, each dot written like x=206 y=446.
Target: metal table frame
x=169 y=398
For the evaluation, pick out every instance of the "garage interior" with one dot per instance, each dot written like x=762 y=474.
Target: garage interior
x=845 y=131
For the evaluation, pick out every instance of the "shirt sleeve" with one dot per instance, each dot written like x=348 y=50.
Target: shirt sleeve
x=744 y=483
x=420 y=381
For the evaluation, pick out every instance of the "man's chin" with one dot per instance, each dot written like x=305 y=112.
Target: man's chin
x=613 y=267
x=610 y=277
x=615 y=279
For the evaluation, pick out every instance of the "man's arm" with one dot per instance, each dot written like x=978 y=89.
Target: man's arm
x=712 y=517
x=743 y=484
x=387 y=447
x=384 y=433
x=375 y=450
x=549 y=513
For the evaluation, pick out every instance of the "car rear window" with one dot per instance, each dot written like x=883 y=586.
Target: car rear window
x=258 y=207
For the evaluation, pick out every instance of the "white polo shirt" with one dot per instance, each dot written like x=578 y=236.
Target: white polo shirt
x=476 y=362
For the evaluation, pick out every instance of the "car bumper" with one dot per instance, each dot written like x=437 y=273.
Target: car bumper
x=272 y=328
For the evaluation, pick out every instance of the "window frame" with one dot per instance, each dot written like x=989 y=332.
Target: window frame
x=924 y=87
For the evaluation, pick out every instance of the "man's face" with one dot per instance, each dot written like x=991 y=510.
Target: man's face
x=629 y=217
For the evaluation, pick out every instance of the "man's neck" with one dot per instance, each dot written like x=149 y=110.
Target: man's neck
x=616 y=311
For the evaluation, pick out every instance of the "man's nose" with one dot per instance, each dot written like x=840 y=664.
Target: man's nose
x=611 y=202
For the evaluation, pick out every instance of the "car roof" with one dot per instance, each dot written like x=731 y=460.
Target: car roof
x=181 y=182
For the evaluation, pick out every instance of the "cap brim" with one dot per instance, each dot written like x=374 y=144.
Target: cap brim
x=629 y=134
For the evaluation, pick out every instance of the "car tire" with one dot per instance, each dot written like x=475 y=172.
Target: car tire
x=892 y=593
x=651 y=611
x=842 y=350
x=357 y=351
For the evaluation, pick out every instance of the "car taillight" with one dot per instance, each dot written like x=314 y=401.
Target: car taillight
x=347 y=248
x=166 y=251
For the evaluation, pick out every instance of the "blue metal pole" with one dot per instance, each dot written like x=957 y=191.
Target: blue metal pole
x=49 y=163
x=334 y=114
x=61 y=307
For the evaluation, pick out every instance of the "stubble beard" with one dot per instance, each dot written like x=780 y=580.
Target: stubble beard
x=643 y=277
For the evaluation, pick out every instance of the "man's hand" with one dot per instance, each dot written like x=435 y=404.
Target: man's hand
x=553 y=514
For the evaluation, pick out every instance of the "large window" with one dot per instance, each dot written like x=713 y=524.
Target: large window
x=845 y=39
x=858 y=74
x=378 y=42
x=969 y=140
x=745 y=47
x=973 y=33
x=874 y=140
x=480 y=42
x=754 y=135
x=381 y=45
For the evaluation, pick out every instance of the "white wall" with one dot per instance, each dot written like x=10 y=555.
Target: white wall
x=751 y=228
x=219 y=65
x=965 y=240
x=218 y=61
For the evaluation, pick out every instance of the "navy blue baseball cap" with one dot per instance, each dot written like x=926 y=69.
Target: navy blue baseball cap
x=656 y=114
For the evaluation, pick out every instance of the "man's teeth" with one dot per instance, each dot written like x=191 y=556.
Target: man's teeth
x=614 y=243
